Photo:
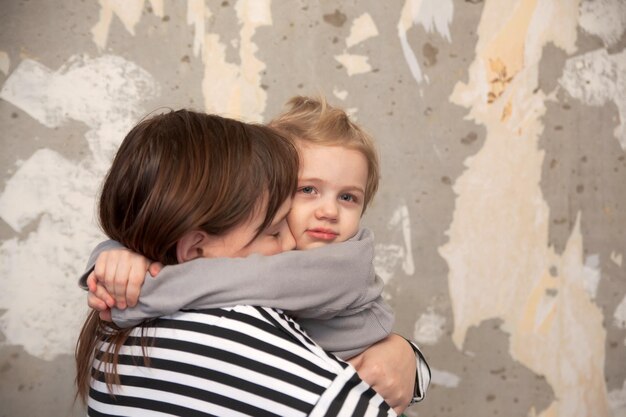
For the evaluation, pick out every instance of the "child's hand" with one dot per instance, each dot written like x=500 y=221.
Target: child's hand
x=122 y=273
x=99 y=299
x=389 y=366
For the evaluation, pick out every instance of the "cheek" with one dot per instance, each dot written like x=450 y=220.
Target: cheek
x=353 y=222
x=295 y=218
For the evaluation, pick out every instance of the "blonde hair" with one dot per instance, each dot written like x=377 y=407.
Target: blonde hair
x=312 y=119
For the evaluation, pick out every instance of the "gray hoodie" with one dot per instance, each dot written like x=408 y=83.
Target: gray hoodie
x=333 y=291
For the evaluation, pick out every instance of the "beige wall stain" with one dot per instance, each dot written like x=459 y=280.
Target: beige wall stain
x=362 y=29
x=5 y=62
x=501 y=265
x=230 y=89
x=129 y=13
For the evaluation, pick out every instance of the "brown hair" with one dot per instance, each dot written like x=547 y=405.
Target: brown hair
x=314 y=120
x=176 y=172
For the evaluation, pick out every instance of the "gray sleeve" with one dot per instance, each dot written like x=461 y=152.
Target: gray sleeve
x=348 y=335
x=103 y=246
x=317 y=283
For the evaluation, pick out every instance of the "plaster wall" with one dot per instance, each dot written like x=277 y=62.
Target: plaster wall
x=500 y=221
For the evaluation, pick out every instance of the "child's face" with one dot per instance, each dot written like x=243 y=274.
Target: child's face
x=328 y=203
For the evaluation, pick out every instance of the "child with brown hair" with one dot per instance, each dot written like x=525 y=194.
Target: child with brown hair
x=331 y=290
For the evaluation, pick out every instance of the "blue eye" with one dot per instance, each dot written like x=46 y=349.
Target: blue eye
x=307 y=190
x=347 y=197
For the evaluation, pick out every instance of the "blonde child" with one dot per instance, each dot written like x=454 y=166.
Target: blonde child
x=331 y=289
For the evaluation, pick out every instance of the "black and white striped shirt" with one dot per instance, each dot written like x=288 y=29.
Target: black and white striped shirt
x=238 y=361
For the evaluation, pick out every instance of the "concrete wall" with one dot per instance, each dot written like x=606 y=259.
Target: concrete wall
x=500 y=221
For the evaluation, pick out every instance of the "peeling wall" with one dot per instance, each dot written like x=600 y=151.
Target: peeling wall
x=500 y=220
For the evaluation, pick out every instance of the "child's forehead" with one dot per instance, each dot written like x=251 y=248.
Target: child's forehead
x=308 y=144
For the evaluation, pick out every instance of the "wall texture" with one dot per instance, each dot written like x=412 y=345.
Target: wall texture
x=501 y=222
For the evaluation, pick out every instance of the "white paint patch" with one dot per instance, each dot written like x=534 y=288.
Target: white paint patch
x=389 y=255
x=197 y=15
x=429 y=328
x=55 y=196
x=386 y=259
x=340 y=94
x=603 y=18
x=591 y=275
x=363 y=28
x=617 y=401
x=444 y=378
x=400 y=219
x=596 y=78
x=619 y=316
x=354 y=64
x=5 y=62
x=616 y=258
x=433 y=15
x=94 y=91
x=129 y=13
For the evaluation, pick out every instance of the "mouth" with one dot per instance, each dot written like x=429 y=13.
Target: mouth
x=322 y=234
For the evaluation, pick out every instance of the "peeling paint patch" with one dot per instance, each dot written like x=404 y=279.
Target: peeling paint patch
x=95 y=91
x=354 y=64
x=591 y=275
x=434 y=16
x=5 y=62
x=386 y=259
x=389 y=255
x=619 y=316
x=129 y=13
x=197 y=15
x=239 y=92
x=596 y=78
x=340 y=94
x=604 y=18
x=616 y=258
x=617 y=400
x=56 y=196
x=429 y=328
x=500 y=261
x=444 y=378
x=363 y=28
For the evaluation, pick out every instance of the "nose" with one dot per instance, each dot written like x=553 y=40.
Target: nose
x=287 y=241
x=327 y=209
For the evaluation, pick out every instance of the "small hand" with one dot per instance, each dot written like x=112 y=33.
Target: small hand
x=389 y=366
x=122 y=272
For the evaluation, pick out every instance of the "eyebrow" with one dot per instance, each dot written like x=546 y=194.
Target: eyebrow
x=348 y=188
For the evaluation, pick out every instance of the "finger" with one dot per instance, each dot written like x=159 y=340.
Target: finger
x=102 y=294
x=155 y=268
x=122 y=269
x=99 y=268
x=135 y=281
x=96 y=303
x=91 y=282
x=105 y=315
x=108 y=275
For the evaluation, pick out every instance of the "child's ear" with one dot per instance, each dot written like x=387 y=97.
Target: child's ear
x=192 y=245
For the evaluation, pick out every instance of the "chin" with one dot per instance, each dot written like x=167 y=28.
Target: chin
x=311 y=245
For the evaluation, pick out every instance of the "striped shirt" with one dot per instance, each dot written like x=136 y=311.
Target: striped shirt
x=237 y=361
